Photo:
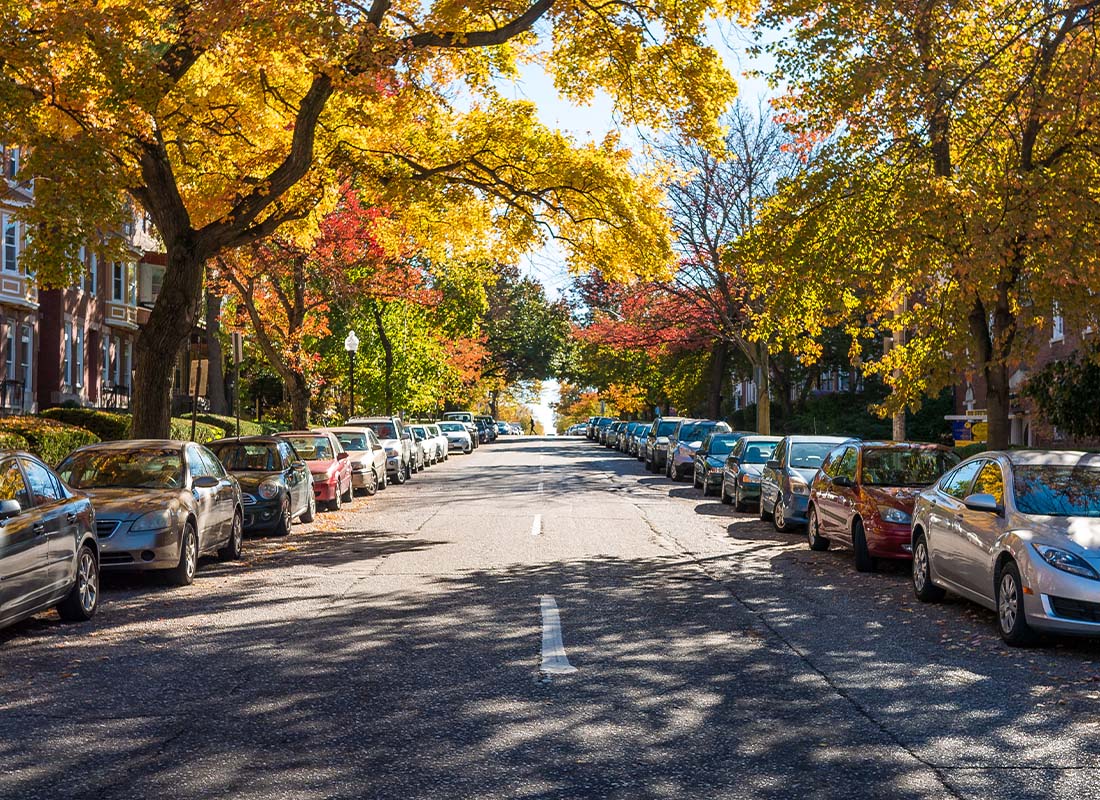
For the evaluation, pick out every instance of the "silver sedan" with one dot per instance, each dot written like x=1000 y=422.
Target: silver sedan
x=1019 y=533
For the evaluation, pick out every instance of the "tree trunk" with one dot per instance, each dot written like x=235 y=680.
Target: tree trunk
x=162 y=338
x=387 y=349
x=219 y=403
x=718 y=363
x=997 y=405
x=299 y=402
x=763 y=390
x=494 y=399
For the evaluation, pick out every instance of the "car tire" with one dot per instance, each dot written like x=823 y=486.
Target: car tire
x=706 y=487
x=349 y=495
x=283 y=528
x=235 y=544
x=779 y=516
x=864 y=561
x=82 y=601
x=738 y=503
x=695 y=480
x=400 y=477
x=310 y=513
x=923 y=588
x=335 y=503
x=817 y=542
x=183 y=574
x=761 y=511
x=1011 y=619
x=372 y=487
x=726 y=499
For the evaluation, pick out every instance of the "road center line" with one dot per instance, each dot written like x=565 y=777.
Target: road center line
x=554 y=660
x=536 y=525
x=540 y=487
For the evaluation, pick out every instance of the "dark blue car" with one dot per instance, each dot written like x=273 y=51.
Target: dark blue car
x=785 y=482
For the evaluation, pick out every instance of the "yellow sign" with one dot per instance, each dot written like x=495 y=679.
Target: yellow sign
x=980 y=431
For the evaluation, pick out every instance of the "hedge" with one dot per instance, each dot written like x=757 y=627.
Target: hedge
x=13 y=441
x=229 y=424
x=107 y=425
x=181 y=429
x=46 y=438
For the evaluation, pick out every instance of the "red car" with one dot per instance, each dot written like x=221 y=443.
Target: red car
x=863 y=495
x=329 y=464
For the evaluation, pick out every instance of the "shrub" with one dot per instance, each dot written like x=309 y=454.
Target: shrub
x=229 y=424
x=181 y=429
x=13 y=441
x=107 y=425
x=46 y=438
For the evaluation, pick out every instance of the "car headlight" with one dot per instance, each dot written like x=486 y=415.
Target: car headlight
x=1066 y=561
x=268 y=489
x=746 y=478
x=799 y=486
x=896 y=515
x=391 y=452
x=154 y=521
x=321 y=477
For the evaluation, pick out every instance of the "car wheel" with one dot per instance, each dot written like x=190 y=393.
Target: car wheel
x=283 y=528
x=81 y=602
x=695 y=480
x=1011 y=619
x=738 y=503
x=779 y=516
x=372 y=487
x=349 y=495
x=311 y=509
x=813 y=533
x=706 y=487
x=335 y=503
x=183 y=574
x=384 y=480
x=864 y=561
x=923 y=588
x=726 y=499
x=233 y=547
x=400 y=477
x=764 y=515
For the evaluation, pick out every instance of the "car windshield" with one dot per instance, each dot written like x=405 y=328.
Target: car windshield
x=664 y=428
x=691 y=433
x=353 y=441
x=721 y=447
x=133 y=468
x=249 y=457
x=452 y=426
x=384 y=430
x=758 y=452
x=1057 y=491
x=884 y=466
x=809 y=455
x=312 y=448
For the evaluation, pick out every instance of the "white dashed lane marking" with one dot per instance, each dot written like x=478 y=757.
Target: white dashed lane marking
x=554 y=660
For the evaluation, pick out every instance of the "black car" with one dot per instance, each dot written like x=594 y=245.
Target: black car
x=276 y=485
x=48 y=551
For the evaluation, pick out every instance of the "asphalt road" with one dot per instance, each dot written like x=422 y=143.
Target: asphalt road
x=394 y=651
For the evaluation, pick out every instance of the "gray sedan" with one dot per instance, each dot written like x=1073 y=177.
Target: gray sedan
x=1018 y=533
x=159 y=504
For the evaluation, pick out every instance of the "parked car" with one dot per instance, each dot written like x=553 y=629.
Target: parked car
x=608 y=434
x=434 y=445
x=864 y=493
x=684 y=441
x=160 y=504
x=329 y=464
x=396 y=441
x=656 y=444
x=504 y=429
x=421 y=456
x=276 y=485
x=367 y=456
x=458 y=437
x=467 y=419
x=623 y=440
x=742 y=471
x=598 y=427
x=1019 y=533
x=49 y=556
x=490 y=426
x=710 y=459
x=785 y=481
x=637 y=441
x=437 y=432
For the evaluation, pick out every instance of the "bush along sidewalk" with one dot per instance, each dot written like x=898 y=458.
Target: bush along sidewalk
x=46 y=438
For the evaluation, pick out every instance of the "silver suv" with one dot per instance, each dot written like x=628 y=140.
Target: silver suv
x=396 y=440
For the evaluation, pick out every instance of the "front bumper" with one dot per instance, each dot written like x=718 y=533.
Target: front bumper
x=749 y=491
x=361 y=480
x=140 y=550
x=393 y=465
x=325 y=492
x=263 y=516
x=795 y=507
x=714 y=477
x=889 y=539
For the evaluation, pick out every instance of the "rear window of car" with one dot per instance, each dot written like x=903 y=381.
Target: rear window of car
x=385 y=430
x=666 y=428
x=312 y=448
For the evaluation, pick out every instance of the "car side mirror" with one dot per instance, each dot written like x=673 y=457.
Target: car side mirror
x=844 y=482
x=342 y=456
x=299 y=464
x=9 y=509
x=376 y=447
x=733 y=461
x=773 y=464
x=204 y=482
x=983 y=502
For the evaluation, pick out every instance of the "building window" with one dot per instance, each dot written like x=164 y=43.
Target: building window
x=11 y=162
x=67 y=354
x=11 y=243
x=106 y=361
x=827 y=381
x=127 y=361
x=9 y=350
x=91 y=277
x=1058 y=325
x=25 y=355
x=78 y=353
x=131 y=285
x=118 y=282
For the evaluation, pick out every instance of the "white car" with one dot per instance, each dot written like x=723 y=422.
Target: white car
x=458 y=437
x=368 y=457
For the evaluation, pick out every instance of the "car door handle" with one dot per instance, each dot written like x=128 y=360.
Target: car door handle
x=71 y=516
x=39 y=527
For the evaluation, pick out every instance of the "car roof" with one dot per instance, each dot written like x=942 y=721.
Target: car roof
x=803 y=438
x=254 y=439
x=761 y=437
x=303 y=433
x=897 y=445
x=129 y=444
x=1054 y=458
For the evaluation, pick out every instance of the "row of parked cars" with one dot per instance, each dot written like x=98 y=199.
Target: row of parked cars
x=160 y=505
x=1016 y=531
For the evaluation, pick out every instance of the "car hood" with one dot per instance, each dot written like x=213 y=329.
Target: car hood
x=250 y=480
x=752 y=469
x=805 y=473
x=394 y=443
x=127 y=503
x=1082 y=531
x=901 y=497
x=321 y=465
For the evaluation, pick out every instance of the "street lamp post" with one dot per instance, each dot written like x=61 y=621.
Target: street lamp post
x=351 y=344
